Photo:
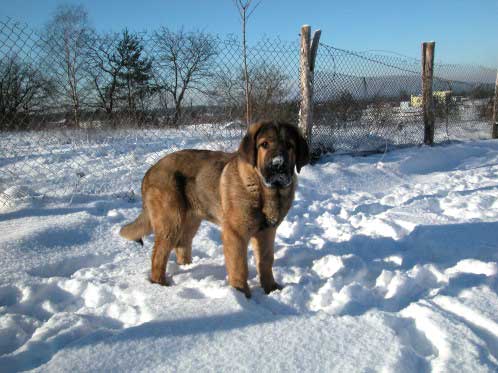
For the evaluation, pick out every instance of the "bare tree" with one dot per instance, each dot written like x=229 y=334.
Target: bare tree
x=185 y=60
x=246 y=8
x=268 y=91
x=67 y=36
x=228 y=92
x=23 y=90
x=104 y=69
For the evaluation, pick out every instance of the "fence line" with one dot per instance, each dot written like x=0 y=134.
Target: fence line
x=70 y=108
x=365 y=101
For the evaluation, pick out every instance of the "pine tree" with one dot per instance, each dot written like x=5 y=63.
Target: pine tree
x=134 y=78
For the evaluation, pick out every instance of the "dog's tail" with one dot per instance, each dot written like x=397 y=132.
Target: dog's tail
x=139 y=228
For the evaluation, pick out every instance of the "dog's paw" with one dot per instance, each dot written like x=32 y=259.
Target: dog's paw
x=181 y=261
x=159 y=281
x=245 y=289
x=272 y=287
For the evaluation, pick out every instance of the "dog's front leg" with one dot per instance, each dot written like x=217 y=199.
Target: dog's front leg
x=235 y=250
x=262 y=243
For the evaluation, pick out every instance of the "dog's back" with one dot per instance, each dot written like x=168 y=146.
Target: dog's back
x=192 y=175
x=188 y=179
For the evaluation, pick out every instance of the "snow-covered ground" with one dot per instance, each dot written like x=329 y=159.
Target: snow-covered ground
x=389 y=264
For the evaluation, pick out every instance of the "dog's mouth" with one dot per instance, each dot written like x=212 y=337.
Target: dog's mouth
x=277 y=178
x=278 y=181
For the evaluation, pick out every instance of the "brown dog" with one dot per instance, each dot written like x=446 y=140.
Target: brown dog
x=248 y=193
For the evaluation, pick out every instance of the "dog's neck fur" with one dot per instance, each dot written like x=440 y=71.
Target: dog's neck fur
x=271 y=201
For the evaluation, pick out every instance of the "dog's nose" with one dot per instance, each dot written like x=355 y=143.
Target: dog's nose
x=277 y=161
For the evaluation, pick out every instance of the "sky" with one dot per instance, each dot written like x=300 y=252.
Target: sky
x=465 y=31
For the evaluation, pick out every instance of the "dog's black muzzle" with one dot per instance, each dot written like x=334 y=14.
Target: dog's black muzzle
x=278 y=174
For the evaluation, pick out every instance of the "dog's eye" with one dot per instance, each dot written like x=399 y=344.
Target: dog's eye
x=264 y=144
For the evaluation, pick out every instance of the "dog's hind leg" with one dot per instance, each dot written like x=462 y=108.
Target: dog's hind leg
x=183 y=249
x=160 y=255
x=167 y=216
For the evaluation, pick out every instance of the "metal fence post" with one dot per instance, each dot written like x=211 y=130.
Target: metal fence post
x=427 y=98
x=494 y=135
x=307 y=66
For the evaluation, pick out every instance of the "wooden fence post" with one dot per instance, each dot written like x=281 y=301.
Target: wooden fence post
x=307 y=67
x=427 y=98
x=494 y=135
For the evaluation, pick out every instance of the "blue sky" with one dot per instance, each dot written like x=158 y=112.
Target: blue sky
x=465 y=31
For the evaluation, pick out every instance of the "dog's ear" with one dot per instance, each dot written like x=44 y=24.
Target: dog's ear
x=302 y=149
x=247 y=148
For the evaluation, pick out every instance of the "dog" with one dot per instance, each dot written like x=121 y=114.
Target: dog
x=248 y=193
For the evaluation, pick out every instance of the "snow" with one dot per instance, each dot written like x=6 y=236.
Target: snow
x=389 y=263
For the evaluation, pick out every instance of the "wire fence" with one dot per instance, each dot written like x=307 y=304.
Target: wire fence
x=367 y=102
x=82 y=113
x=86 y=113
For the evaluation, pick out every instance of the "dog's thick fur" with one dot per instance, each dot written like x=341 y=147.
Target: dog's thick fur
x=247 y=193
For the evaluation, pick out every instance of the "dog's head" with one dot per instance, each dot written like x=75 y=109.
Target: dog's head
x=274 y=149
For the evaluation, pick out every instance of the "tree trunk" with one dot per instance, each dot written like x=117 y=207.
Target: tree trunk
x=178 y=113
x=130 y=104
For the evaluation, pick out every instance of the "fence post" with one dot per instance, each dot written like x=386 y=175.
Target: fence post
x=427 y=98
x=494 y=135
x=307 y=58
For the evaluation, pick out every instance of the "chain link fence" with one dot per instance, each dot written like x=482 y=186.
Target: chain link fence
x=463 y=101
x=366 y=101
x=83 y=113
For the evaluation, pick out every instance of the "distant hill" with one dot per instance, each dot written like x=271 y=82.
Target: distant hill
x=329 y=85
